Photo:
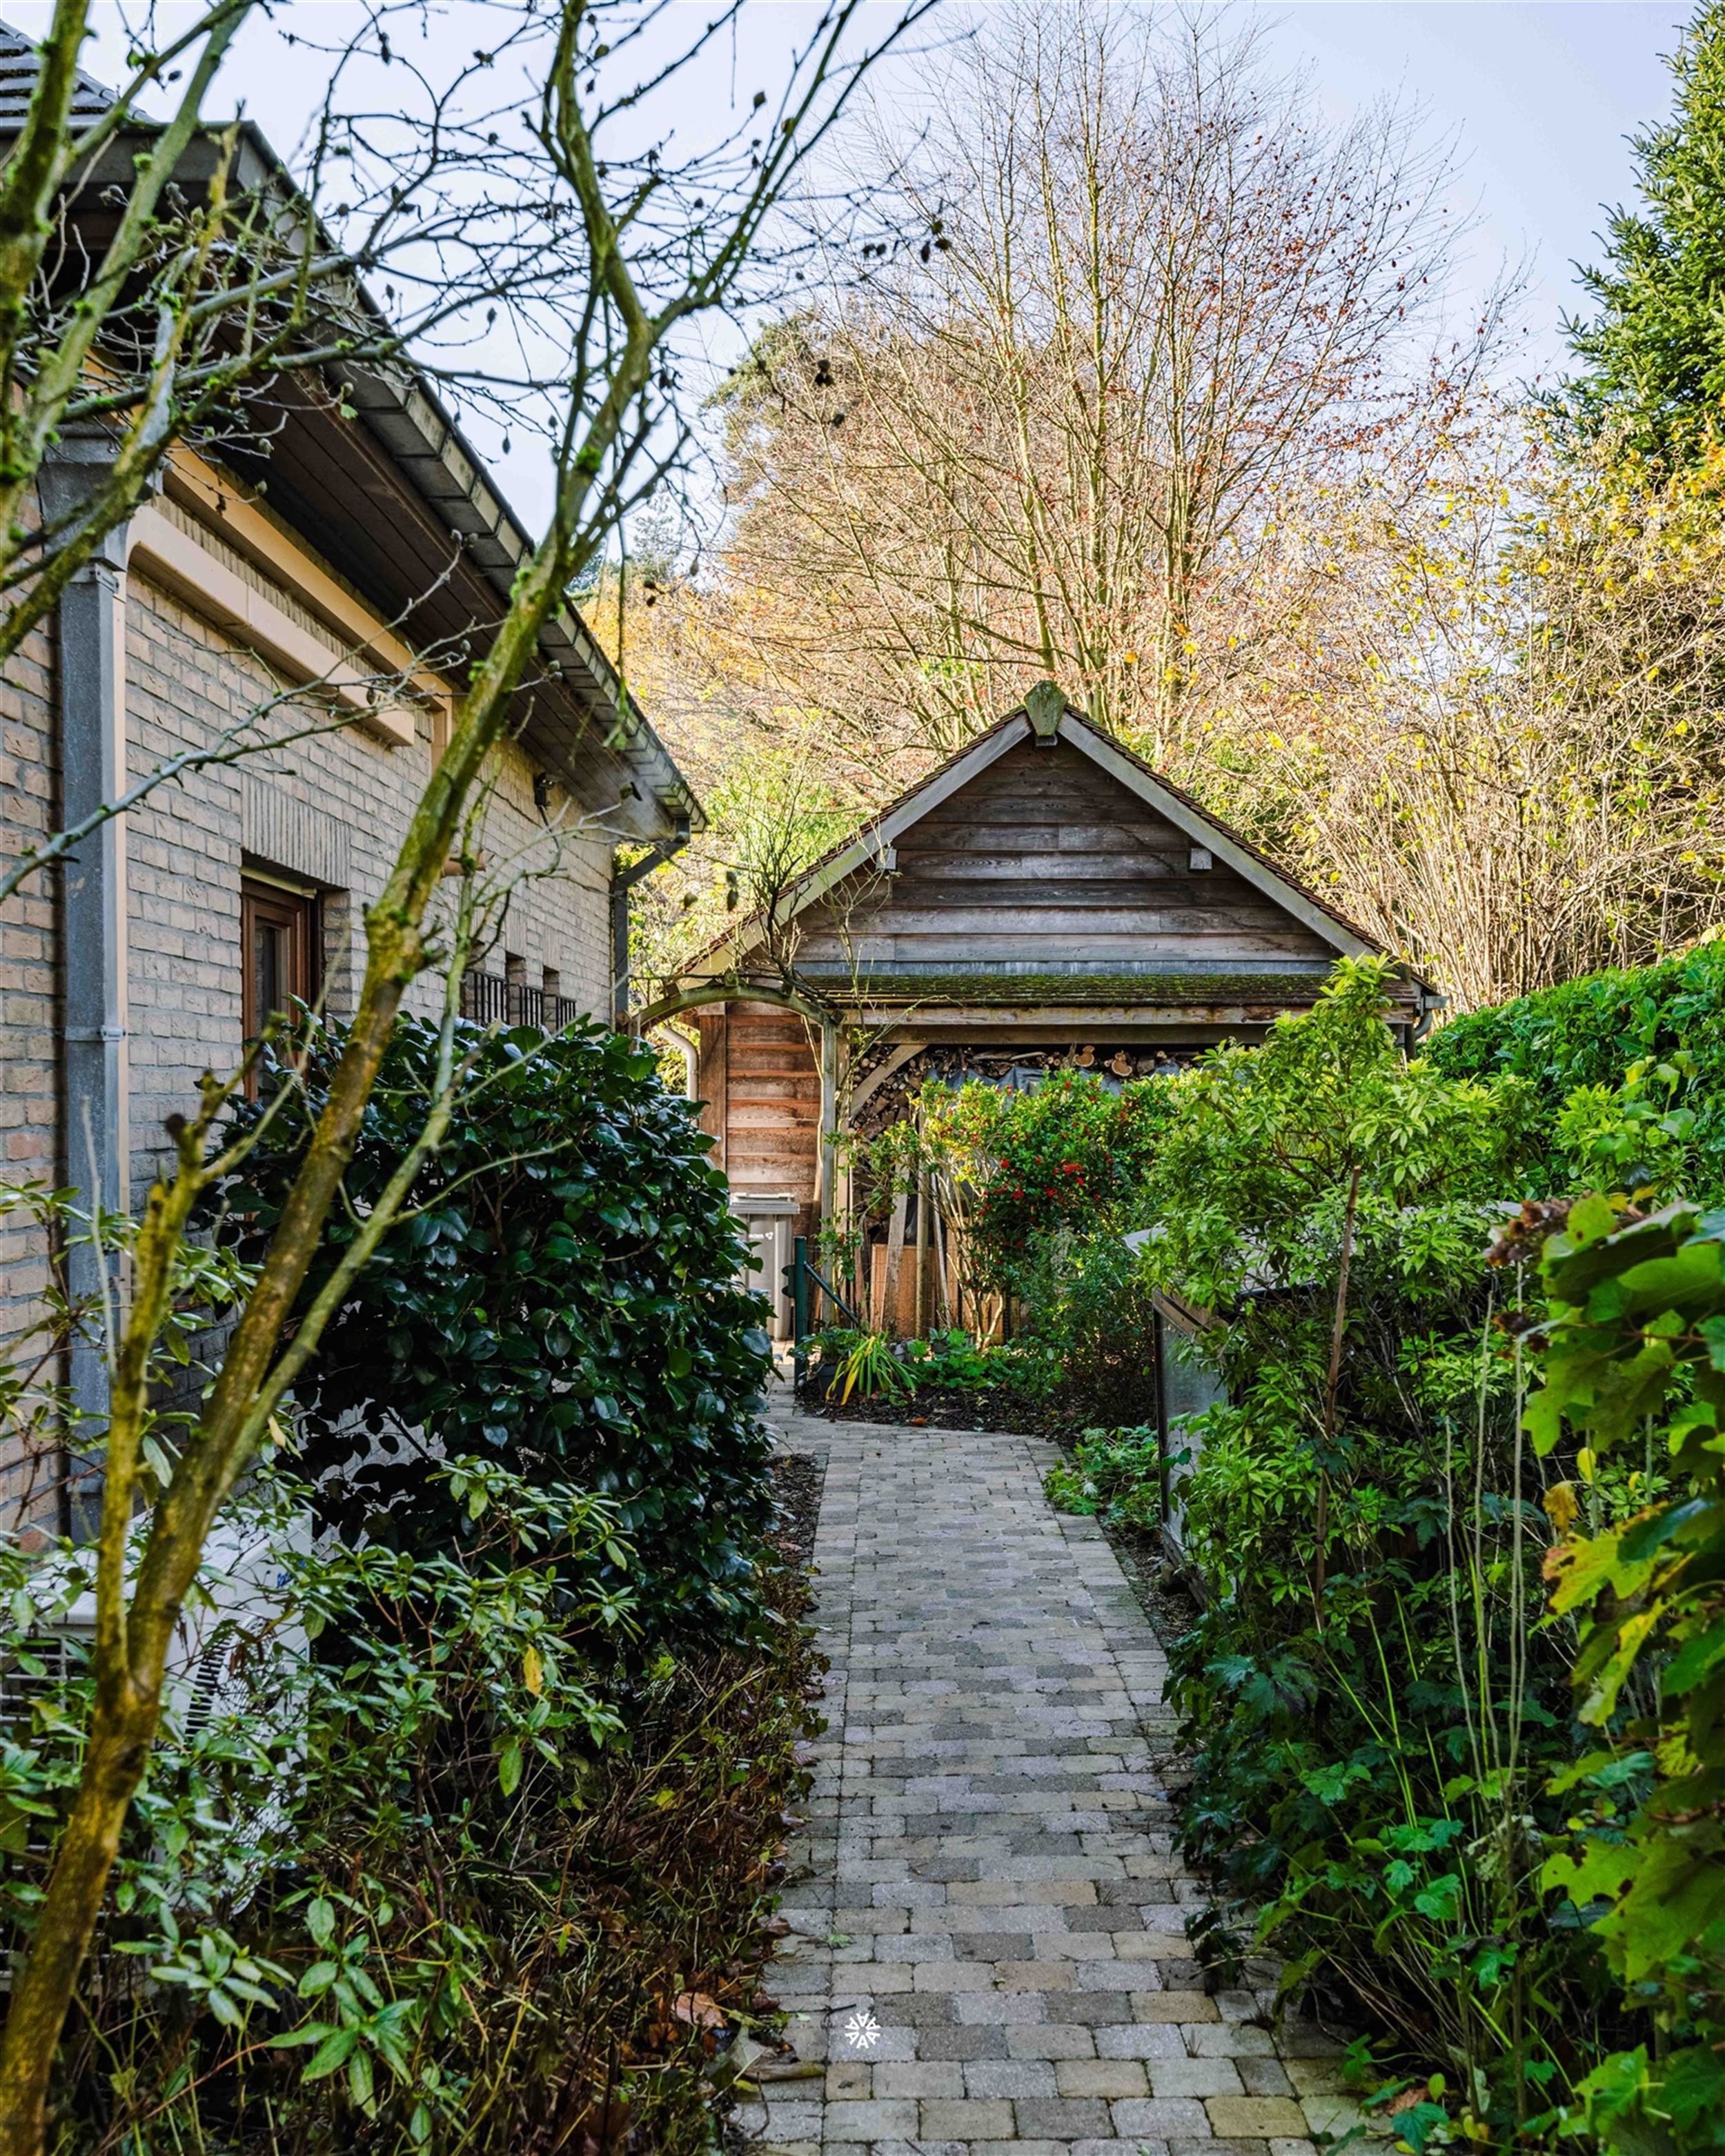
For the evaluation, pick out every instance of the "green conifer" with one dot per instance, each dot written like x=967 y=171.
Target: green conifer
x=1653 y=352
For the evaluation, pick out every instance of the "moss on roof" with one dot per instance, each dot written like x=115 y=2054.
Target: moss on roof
x=1115 y=991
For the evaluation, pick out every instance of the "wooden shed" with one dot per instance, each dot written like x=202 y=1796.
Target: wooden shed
x=1043 y=898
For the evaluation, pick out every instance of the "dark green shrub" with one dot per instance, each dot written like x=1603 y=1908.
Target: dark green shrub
x=1088 y=1318
x=563 y=1297
x=1593 y=1032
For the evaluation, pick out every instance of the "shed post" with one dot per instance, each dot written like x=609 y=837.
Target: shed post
x=829 y=1116
x=919 y=1325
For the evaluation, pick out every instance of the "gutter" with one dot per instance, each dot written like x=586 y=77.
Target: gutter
x=610 y=738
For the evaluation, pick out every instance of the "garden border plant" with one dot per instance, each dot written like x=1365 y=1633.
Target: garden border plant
x=435 y=1850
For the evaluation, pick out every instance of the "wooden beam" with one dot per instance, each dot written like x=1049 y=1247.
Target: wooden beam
x=918 y=1328
x=828 y=1116
x=876 y=1079
x=217 y=595
x=894 y=1256
x=712 y=1074
x=224 y=505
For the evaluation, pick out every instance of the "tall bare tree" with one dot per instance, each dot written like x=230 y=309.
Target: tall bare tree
x=158 y=274
x=1141 y=296
x=1515 y=768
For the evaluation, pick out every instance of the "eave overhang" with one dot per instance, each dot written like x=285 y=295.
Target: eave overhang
x=580 y=721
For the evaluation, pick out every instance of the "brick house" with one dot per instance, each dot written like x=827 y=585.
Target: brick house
x=364 y=549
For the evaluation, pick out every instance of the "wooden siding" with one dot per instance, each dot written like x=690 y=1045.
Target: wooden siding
x=771 y=1115
x=711 y=1075
x=1044 y=859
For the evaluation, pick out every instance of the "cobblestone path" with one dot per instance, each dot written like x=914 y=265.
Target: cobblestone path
x=988 y=1948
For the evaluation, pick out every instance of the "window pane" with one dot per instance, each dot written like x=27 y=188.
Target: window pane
x=272 y=959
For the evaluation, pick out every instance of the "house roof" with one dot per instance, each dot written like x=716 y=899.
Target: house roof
x=18 y=67
x=1015 y=987
x=583 y=719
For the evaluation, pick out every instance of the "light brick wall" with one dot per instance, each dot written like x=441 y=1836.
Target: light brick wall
x=344 y=796
x=29 y=989
x=336 y=807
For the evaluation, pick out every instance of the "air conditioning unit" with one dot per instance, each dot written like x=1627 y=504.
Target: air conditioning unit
x=236 y=1610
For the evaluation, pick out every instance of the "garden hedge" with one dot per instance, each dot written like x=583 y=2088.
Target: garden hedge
x=1590 y=1032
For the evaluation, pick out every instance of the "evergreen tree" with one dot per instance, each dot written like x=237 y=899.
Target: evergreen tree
x=1653 y=355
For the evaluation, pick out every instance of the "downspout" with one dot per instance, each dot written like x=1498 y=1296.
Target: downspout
x=1429 y=1002
x=95 y=1136
x=622 y=882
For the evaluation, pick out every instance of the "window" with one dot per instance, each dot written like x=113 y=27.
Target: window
x=279 y=940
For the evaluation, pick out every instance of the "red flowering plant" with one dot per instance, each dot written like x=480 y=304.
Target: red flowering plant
x=1069 y=1155
x=1007 y=1171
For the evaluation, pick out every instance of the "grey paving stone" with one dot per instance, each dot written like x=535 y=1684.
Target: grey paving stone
x=1061 y=2118
x=968 y=2043
x=969 y=2118
x=989 y=1838
x=1200 y=2077
x=921 y=2077
x=1164 y=2117
x=1141 y=2040
x=1010 y=2077
x=1053 y=2040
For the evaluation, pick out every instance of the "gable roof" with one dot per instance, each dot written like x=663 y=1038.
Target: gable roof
x=20 y=64
x=1122 y=764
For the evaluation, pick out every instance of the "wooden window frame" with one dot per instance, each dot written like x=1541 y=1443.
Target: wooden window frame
x=265 y=904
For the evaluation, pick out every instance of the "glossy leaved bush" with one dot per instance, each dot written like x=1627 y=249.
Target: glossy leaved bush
x=563 y=1298
x=1069 y=1155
